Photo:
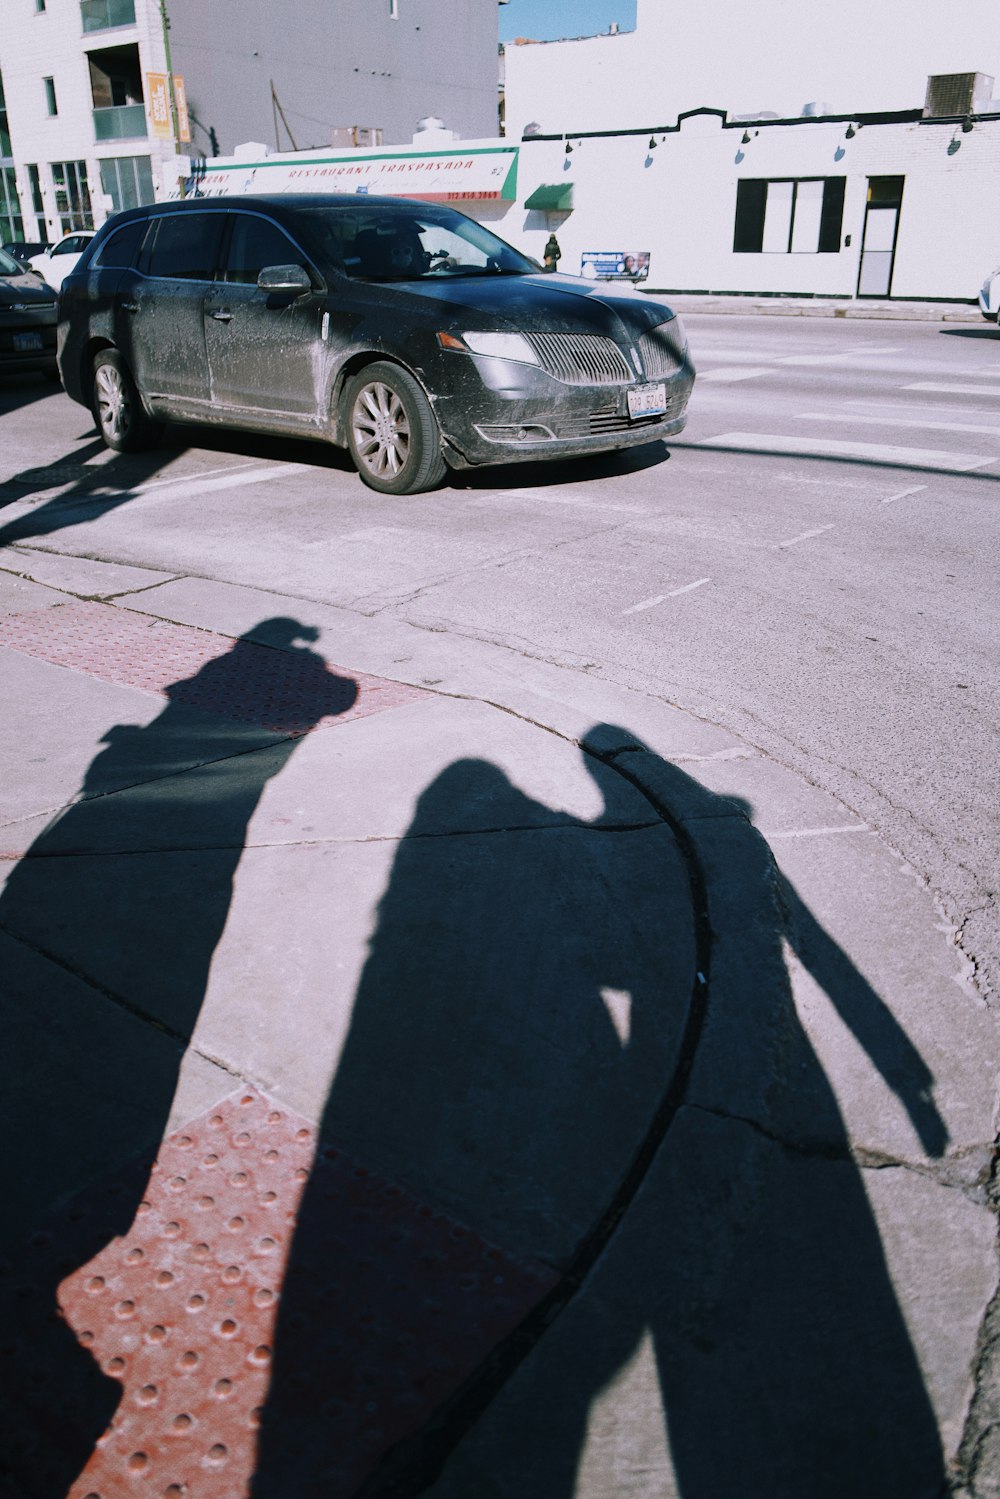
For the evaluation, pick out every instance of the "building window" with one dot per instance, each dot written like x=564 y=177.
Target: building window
x=11 y=222
x=128 y=181
x=789 y=216
x=69 y=178
x=4 y=127
x=102 y=15
x=50 y=96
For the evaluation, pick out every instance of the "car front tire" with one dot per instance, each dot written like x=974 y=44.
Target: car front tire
x=392 y=432
x=118 y=411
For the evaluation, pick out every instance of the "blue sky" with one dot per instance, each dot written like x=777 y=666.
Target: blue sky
x=546 y=20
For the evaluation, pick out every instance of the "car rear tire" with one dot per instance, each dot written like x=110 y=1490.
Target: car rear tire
x=392 y=432
x=118 y=411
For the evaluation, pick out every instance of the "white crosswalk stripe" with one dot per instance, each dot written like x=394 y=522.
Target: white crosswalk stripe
x=988 y=429
x=952 y=390
x=872 y=452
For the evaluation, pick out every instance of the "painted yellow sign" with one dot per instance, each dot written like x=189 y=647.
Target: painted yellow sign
x=158 y=99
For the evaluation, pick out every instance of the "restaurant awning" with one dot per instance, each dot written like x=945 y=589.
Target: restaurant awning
x=552 y=197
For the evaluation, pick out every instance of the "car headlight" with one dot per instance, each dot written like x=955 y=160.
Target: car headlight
x=497 y=345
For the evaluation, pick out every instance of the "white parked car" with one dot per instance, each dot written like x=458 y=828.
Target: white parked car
x=989 y=297
x=58 y=261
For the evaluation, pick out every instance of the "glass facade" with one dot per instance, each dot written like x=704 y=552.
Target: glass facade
x=69 y=178
x=127 y=180
x=11 y=222
x=124 y=122
x=102 y=15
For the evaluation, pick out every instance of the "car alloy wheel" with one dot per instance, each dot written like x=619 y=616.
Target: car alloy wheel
x=118 y=411
x=391 y=430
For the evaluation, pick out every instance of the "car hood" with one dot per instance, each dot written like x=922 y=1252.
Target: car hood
x=28 y=288
x=542 y=303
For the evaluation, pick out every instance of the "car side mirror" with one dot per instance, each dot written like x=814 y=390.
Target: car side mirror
x=286 y=278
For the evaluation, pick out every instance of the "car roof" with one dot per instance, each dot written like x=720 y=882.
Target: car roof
x=269 y=202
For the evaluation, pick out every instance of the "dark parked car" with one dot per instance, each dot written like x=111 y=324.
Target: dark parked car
x=402 y=330
x=27 y=320
x=23 y=249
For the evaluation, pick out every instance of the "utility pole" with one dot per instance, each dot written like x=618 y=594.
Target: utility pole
x=174 y=121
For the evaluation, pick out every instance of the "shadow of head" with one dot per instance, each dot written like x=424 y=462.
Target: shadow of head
x=283 y=632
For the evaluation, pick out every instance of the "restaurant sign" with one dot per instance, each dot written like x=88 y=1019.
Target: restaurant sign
x=476 y=175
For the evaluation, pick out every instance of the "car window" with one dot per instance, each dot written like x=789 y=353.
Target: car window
x=71 y=246
x=383 y=242
x=9 y=266
x=253 y=244
x=119 y=249
x=185 y=246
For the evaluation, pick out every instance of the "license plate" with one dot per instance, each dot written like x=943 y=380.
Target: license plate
x=647 y=400
x=25 y=341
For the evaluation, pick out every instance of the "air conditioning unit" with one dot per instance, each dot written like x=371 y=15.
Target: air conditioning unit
x=957 y=94
x=356 y=135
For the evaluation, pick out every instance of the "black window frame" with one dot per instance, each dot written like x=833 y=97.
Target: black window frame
x=751 y=207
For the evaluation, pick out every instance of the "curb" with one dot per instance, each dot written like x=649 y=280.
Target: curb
x=808 y=307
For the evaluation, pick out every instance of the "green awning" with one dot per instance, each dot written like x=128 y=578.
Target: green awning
x=553 y=197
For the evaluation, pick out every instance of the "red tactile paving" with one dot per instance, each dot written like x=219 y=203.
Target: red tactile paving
x=286 y=691
x=394 y=1305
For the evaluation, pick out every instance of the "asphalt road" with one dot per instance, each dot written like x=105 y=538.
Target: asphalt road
x=813 y=565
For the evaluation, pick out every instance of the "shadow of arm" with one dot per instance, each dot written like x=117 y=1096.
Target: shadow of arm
x=870 y=1021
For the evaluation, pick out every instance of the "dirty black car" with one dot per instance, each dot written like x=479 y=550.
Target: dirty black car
x=27 y=320
x=402 y=330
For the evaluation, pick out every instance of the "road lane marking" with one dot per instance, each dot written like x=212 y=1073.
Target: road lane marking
x=900 y=421
x=227 y=479
x=917 y=489
x=805 y=535
x=853 y=827
x=662 y=597
x=872 y=452
x=951 y=390
x=727 y=376
x=211 y=473
x=548 y=497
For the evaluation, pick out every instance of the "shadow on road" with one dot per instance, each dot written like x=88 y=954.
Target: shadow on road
x=107 y=929
x=482 y=1054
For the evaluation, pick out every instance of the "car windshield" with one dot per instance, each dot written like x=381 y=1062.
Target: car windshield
x=403 y=242
x=9 y=266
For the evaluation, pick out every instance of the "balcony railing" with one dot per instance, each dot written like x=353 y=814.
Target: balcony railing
x=124 y=122
x=101 y=15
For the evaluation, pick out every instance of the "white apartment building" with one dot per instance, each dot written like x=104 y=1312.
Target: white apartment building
x=87 y=125
x=76 y=138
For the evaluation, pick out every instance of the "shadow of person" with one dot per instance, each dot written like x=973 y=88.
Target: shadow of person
x=92 y=492
x=107 y=928
x=482 y=1067
x=516 y=1016
x=740 y=1334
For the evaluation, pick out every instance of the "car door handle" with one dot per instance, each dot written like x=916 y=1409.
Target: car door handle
x=222 y=315
x=129 y=306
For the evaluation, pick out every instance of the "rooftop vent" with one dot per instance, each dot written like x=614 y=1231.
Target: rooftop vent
x=957 y=94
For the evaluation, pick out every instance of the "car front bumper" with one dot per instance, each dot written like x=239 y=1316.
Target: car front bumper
x=27 y=342
x=502 y=412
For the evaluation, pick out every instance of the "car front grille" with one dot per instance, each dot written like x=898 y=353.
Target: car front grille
x=659 y=355
x=581 y=358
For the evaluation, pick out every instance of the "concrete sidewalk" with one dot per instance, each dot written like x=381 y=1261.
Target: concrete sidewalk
x=439 y=1072
x=827 y=307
